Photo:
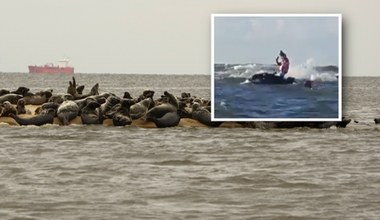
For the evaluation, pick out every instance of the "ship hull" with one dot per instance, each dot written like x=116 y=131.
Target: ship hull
x=51 y=69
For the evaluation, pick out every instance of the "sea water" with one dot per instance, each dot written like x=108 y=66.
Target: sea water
x=105 y=172
x=235 y=97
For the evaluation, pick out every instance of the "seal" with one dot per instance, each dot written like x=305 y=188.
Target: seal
x=72 y=88
x=99 y=98
x=83 y=102
x=80 y=89
x=38 y=98
x=140 y=109
x=45 y=106
x=377 y=120
x=170 y=119
x=184 y=111
x=160 y=110
x=76 y=91
x=94 y=92
x=11 y=97
x=185 y=95
x=121 y=117
x=107 y=106
x=162 y=100
x=4 y=92
x=67 y=111
x=146 y=94
x=21 y=107
x=8 y=109
x=59 y=98
x=343 y=123
x=21 y=91
x=203 y=115
x=90 y=113
x=127 y=95
x=172 y=99
x=47 y=117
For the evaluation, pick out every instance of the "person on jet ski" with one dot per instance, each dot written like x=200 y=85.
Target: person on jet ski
x=283 y=65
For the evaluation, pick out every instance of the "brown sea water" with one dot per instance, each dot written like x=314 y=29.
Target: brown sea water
x=98 y=172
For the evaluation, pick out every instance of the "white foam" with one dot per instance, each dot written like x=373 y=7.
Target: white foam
x=223 y=104
x=245 y=82
x=244 y=66
x=307 y=71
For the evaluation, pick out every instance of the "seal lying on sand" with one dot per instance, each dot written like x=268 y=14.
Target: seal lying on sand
x=72 y=88
x=4 y=92
x=83 y=102
x=21 y=107
x=140 y=109
x=67 y=111
x=80 y=89
x=121 y=117
x=12 y=98
x=76 y=92
x=127 y=95
x=21 y=91
x=108 y=105
x=45 y=106
x=8 y=109
x=160 y=110
x=38 y=98
x=144 y=95
x=203 y=115
x=59 y=98
x=46 y=117
x=170 y=119
x=98 y=98
x=184 y=111
x=90 y=113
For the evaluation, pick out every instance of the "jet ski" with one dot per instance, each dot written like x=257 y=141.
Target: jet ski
x=270 y=78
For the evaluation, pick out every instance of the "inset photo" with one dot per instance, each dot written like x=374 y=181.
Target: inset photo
x=276 y=67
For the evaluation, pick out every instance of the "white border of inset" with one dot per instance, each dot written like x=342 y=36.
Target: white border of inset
x=338 y=15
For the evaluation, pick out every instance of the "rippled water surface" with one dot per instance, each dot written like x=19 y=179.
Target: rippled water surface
x=237 y=98
x=99 y=172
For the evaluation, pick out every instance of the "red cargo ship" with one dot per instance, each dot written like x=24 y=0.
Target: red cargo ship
x=49 y=68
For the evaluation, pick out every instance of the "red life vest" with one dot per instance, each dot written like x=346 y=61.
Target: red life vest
x=284 y=65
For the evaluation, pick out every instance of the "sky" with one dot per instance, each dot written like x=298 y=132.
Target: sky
x=160 y=36
x=258 y=39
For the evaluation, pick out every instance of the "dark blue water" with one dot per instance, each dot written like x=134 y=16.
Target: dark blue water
x=235 y=99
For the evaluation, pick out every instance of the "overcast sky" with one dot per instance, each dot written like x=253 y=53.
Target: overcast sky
x=159 y=36
x=259 y=39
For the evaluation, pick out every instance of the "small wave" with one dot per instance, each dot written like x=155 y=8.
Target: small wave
x=178 y=163
x=244 y=66
x=307 y=70
x=245 y=82
x=297 y=184
x=223 y=104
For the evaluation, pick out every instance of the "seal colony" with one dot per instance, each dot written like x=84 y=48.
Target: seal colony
x=22 y=107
